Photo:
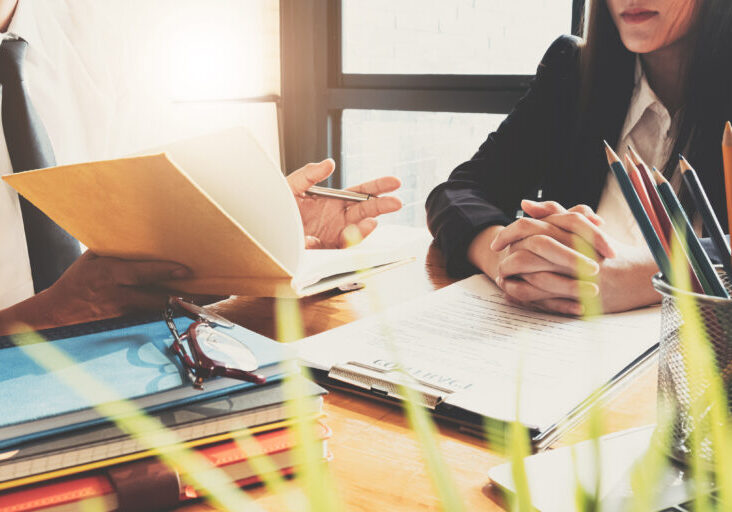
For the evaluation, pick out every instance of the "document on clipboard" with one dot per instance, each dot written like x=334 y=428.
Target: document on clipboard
x=474 y=357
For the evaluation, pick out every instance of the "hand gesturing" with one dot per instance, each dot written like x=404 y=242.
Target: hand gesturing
x=325 y=219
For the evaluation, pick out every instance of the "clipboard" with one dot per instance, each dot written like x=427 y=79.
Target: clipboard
x=450 y=368
x=376 y=384
x=386 y=383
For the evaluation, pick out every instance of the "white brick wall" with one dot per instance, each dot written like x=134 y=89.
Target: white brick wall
x=450 y=36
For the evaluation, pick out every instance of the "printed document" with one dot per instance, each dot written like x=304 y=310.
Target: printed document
x=489 y=354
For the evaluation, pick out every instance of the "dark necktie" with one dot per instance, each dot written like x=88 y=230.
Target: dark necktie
x=51 y=249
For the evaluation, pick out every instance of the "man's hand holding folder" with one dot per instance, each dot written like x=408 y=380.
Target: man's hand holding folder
x=94 y=288
x=97 y=287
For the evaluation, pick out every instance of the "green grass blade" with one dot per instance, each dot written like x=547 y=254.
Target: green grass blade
x=519 y=447
x=647 y=473
x=268 y=473
x=421 y=423
x=319 y=486
x=194 y=467
x=700 y=373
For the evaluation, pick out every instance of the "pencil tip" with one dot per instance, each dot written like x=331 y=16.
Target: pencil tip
x=611 y=156
x=684 y=164
x=634 y=155
x=657 y=176
x=727 y=139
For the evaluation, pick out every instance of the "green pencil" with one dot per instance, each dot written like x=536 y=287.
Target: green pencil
x=644 y=223
x=707 y=213
x=700 y=261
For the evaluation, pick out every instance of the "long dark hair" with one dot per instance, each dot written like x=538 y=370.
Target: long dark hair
x=606 y=85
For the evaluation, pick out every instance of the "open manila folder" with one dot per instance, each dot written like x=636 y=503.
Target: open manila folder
x=217 y=204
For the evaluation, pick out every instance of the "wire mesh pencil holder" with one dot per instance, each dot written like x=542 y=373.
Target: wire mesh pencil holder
x=677 y=394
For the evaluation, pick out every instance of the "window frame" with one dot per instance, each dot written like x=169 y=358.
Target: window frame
x=315 y=90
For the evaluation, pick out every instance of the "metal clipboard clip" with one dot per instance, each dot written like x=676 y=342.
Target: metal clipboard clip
x=385 y=383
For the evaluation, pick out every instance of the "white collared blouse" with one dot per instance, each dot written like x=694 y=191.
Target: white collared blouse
x=651 y=130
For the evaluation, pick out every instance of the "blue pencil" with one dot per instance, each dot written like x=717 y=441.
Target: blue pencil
x=698 y=256
x=644 y=223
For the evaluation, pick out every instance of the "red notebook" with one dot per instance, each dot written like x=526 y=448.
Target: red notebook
x=101 y=490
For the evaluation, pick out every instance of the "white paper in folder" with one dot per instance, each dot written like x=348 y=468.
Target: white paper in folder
x=468 y=340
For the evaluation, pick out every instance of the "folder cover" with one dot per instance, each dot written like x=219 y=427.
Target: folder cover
x=216 y=204
x=136 y=362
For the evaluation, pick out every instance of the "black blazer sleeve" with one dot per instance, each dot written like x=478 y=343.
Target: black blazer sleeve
x=508 y=167
x=711 y=250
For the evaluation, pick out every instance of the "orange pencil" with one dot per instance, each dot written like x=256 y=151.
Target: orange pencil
x=640 y=188
x=727 y=157
x=661 y=214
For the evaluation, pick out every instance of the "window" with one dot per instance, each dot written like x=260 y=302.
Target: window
x=449 y=36
x=407 y=87
x=420 y=148
x=175 y=63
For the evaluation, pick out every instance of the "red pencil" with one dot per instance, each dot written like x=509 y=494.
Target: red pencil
x=637 y=181
x=664 y=221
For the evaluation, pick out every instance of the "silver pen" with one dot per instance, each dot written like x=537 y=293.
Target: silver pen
x=520 y=213
x=335 y=193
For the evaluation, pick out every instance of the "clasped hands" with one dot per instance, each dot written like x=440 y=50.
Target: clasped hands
x=559 y=260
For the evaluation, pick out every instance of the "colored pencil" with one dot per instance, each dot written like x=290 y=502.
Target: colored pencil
x=711 y=223
x=663 y=219
x=644 y=223
x=727 y=157
x=667 y=228
x=695 y=252
x=640 y=189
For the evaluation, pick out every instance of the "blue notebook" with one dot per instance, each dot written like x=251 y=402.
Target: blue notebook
x=134 y=360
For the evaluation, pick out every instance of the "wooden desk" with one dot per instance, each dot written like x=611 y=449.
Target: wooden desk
x=377 y=462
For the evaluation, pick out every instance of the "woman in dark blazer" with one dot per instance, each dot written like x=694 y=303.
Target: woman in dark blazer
x=585 y=92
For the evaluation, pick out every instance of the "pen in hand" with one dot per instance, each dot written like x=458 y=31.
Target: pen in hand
x=346 y=195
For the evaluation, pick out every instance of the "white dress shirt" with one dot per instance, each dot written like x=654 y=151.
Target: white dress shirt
x=72 y=89
x=651 y=130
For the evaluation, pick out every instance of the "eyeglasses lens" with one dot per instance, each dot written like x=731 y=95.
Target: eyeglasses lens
x=221 y=347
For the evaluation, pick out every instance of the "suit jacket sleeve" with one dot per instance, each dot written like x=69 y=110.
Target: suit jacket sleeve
x=508 y=167
x=711 y=250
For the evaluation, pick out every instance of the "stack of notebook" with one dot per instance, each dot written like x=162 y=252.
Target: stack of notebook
x=61 y=450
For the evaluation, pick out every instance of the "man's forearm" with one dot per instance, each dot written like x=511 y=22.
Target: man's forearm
x=33 y=313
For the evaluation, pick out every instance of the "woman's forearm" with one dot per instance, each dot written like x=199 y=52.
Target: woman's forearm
x=480 y=253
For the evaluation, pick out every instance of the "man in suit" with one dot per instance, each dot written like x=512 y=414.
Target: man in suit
x=55 y=110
